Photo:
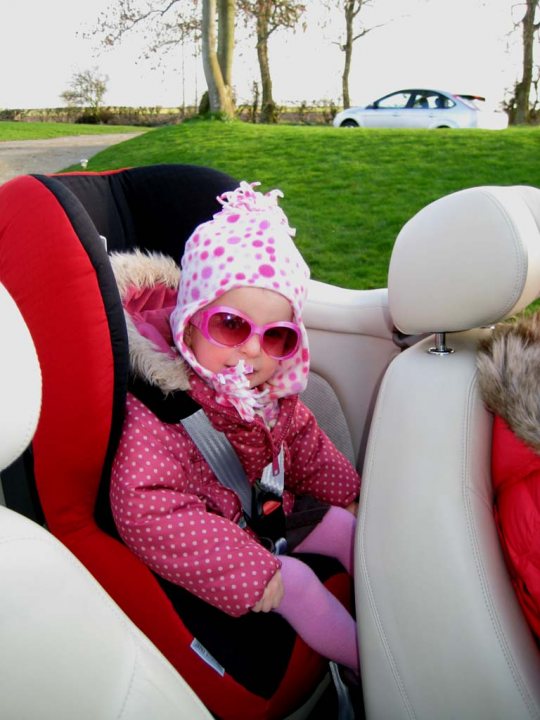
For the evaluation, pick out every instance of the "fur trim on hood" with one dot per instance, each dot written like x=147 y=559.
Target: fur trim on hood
x=509 y=376
x=148 y=285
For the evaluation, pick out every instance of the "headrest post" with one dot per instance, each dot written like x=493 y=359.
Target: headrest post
x=441 y=347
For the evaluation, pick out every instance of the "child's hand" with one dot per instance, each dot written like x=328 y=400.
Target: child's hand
x=353 y=508
x=272 y=596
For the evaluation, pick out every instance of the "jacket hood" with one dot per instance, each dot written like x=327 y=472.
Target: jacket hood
x=148 y=285
x=509 y=376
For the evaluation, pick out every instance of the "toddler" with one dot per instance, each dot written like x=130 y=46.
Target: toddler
x=238 y=326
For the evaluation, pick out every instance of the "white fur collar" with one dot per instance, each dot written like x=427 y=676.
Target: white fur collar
x=140 y=270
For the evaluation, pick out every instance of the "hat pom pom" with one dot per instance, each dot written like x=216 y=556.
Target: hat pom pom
x=245 y=199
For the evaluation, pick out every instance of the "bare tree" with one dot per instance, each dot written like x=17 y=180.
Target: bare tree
x=530 y=25
x=86 y=89
x=354 y=30
x=217 y=56
x=166 y=24
x=269 y=16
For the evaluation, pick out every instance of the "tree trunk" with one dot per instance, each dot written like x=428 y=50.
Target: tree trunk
x=268 y=107
x=347 y=49
x=226 y=12
x=219 y=93
x=523 y=87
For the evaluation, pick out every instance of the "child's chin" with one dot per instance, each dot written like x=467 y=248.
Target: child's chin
x=258 y=385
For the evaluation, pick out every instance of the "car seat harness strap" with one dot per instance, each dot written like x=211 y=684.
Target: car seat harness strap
x=262 y=503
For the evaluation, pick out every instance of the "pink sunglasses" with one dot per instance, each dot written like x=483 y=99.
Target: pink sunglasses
x=226 y=327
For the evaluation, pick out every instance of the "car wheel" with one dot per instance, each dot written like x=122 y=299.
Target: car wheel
x=349 y=123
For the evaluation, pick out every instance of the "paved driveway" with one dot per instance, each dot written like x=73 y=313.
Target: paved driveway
x=45 y=156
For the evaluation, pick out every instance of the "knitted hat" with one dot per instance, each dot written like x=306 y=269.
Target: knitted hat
x=248 y=243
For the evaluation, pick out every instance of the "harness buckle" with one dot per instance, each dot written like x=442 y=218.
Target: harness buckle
x=268 y=519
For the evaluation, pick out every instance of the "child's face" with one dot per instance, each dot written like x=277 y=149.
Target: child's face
x=262 y=307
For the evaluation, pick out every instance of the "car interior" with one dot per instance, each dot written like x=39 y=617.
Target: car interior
x=393 y=383
x=421 y=103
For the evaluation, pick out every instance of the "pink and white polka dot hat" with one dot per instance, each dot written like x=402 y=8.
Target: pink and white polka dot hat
x=247 y=243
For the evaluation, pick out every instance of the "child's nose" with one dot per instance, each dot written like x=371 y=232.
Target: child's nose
x=252 y=346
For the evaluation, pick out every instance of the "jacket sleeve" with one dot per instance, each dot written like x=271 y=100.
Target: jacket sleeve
x=515 y=473
x=317 y=467
x=160 y=490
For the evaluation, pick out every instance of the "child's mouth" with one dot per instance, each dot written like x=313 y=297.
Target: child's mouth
x=241 y=368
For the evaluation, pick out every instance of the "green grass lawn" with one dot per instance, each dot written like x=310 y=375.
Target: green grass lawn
x=45 y=130
x=347 y=192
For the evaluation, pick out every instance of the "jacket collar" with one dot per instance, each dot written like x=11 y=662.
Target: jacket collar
x=509 y=376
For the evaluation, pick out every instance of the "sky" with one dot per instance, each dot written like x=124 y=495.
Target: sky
x=456 y=45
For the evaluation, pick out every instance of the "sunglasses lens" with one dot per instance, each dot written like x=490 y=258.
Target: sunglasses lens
x=228 y=329
x=231 y=330
x=278 y=342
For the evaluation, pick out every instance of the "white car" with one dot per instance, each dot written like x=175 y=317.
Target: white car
x=417 y=108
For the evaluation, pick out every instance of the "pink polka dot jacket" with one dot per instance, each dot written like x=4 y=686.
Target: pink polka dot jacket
x=169 y=507
x=172 y=511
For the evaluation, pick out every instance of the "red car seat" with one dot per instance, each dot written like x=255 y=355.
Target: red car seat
x=55 y=265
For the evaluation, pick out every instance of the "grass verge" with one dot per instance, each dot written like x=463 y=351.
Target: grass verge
x=11 y=130
x=348 y=192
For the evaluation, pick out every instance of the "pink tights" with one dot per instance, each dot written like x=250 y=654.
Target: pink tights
x=316 y=615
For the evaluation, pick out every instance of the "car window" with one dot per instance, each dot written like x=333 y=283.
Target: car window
x=421 y=101
x=395 y=101
x=440 y=102
x=432 y=101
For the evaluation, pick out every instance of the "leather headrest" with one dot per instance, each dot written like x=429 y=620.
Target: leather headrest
x=467 y=260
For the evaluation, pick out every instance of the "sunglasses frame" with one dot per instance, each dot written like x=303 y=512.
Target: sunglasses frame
x=202 y=318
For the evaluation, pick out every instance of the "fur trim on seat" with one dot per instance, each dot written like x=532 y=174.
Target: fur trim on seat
x=144 y=271
x=509 y=376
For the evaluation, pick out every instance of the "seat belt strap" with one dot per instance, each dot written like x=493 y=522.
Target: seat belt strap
x=221 y=456
x=262 y=506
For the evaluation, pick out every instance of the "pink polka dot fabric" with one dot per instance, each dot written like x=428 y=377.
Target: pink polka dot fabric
x=173 y=512
x=247 y=244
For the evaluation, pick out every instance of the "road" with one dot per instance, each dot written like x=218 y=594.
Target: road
x=20 y=157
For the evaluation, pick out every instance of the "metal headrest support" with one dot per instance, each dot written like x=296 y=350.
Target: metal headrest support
x=467 y=260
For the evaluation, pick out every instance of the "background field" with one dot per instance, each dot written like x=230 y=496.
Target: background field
x=12 y=130
x=347 y=192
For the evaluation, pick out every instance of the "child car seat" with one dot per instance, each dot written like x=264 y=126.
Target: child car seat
x=55 y=265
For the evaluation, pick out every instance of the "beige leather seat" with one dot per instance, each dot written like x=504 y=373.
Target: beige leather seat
x=67 y=651
x=441 y=634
